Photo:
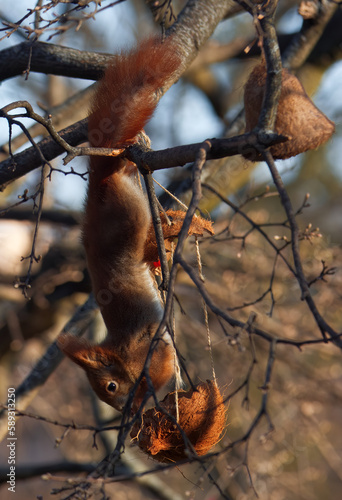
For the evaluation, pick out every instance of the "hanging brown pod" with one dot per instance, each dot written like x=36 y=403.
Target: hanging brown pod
x=297 y=117
x=202 y=417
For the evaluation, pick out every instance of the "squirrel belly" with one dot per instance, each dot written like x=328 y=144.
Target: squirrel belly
x=116 y=223
x=115 y=229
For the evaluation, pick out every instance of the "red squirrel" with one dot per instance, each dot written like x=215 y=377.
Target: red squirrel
x=115 y=229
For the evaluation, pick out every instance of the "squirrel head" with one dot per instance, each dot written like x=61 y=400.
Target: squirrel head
x=112 y=373
x=105 y=371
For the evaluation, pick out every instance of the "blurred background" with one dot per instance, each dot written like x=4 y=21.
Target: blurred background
x=302 y=457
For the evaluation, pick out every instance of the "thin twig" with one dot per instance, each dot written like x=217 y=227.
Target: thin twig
x=324 y=327
x=158 y=229
x=240 y=324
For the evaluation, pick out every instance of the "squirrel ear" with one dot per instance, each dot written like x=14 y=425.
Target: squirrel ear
x=78 y=350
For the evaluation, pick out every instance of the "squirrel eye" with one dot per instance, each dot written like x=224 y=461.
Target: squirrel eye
x=112 y=386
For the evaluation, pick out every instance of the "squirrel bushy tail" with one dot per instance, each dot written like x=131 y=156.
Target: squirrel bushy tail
x=126 y=97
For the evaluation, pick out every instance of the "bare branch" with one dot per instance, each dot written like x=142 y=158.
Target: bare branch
x=46 y=58
x=156 y=160
x=324 y=327
x=301 y=46
x=21 y=164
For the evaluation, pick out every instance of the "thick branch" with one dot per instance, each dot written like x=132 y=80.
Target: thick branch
x=52 y=59
x=220 y=148
x=273 y=66
x=22 y=163
x=194 y=25
x=303 y=43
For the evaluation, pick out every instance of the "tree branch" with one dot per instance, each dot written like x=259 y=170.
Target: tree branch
x=53 y=59
x=324 y=327
x=303 y=43
x=50 y=59
x=22 y=163
x=28 y=471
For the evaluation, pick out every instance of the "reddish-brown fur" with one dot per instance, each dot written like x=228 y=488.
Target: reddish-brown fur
x=115 y=229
